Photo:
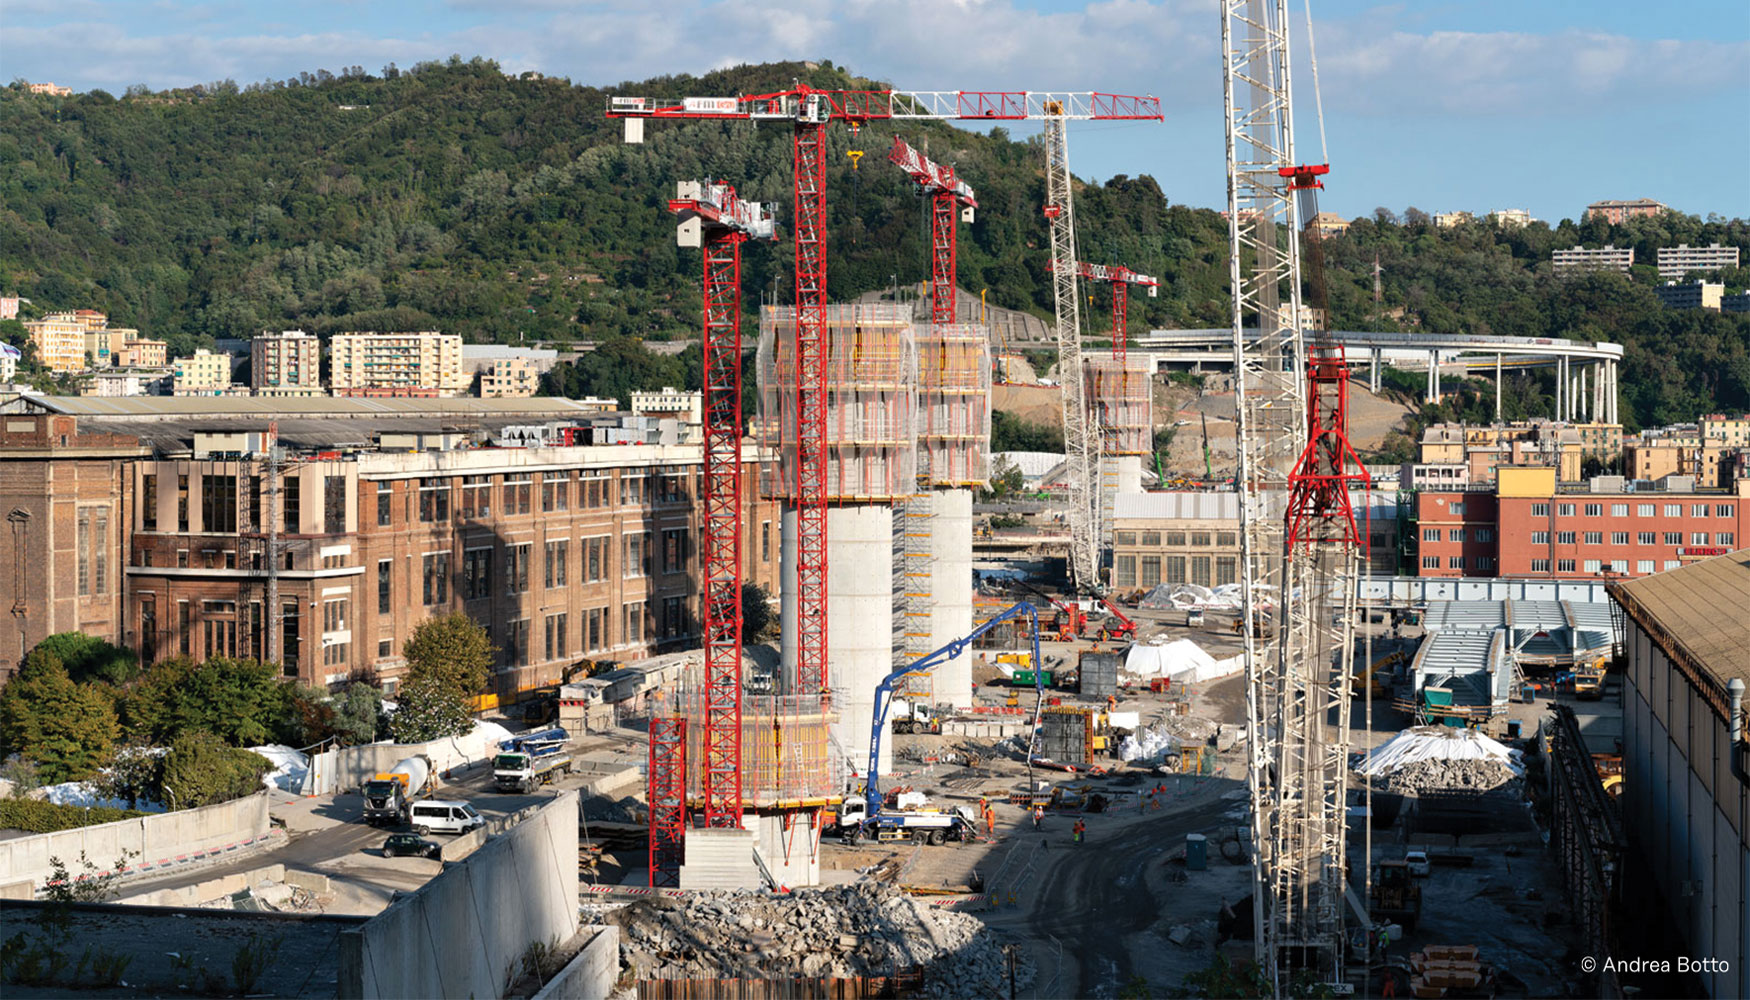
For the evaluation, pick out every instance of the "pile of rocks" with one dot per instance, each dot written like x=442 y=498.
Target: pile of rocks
x=1449 y=775
x=860 y=929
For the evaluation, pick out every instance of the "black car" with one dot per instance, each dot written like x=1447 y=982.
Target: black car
x=407 y=844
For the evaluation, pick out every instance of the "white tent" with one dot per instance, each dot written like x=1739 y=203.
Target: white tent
x=1183 y=661
x=1437 y=743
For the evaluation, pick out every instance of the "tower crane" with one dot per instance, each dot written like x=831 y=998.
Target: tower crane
x=714 y=219
x=1120 y=278
x=809 y=111
x=1297 y=525
x=950 y=198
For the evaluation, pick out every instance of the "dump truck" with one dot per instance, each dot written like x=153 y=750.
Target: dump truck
x=1589 y=682
x=1396 y=896
x=389 y=794
x=531 y=760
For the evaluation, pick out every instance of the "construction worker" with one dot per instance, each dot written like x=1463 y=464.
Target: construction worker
x=990 y=821
x=1038 y=816
x=1111 y=703
x=1080 y=828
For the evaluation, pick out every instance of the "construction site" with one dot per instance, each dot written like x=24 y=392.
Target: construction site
x=1032 y=769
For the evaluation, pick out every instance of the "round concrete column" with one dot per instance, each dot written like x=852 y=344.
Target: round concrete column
x=951 y=591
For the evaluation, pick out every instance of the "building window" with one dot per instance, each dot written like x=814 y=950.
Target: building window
x=1225 y=567
x=1594 y=538
x=334 y=615
x=634 y=625
x=292 y=504
x=1540 y=538
x=516 y=639
x=1124 y=570
x=1175 y=569
x=517 y=493
x=1619 y=565
x=149 y=502
x=1619 y=538
x=594 y=491
x=385 y=498
x=384 y=567
x=1671 y=538
x=477 y=497
x=1619 y=510
x=434 y=500
x=291 y=645
x=674 y=617
x=84 y=550
x=1226 y=539
x=1126 y=537
x=1594 y=509
x=556 y=636
x=1455 y=562
x=1430 y=534
x=1540 y=565
x=674 y=550
x=1200 y=539
x=1643 y=510
x=1723 y=510
x=1430 y=562
x=1725 y=538
x=1564 y=565
x=182 y=503
x=632 y=555
x=1643 y=566
x=1200 y=570
x=555 y=492
x=385 y=648
x=437 y=578
x=1151 y=570
x=334 y=504
x=1455 y=535
x=1175 y=539
x=1564 y=510
x=557 y=555
x=1486 y=563
x=219 y=623
x=595 y=559
x=1457 y=508
x=631 y=489
x=1485 y=534
x=219 y=504
x=1151 y=538
x=765 y=541
x=1698 y=509
x=1540 y=510
x=1673 y=510
x=1564 y=538
x=476 y=574
x=1698 y=538
x=1673 y=563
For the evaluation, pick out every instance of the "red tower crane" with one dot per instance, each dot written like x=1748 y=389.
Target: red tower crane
x=949 y=197
x=713 y=218
x=1121 y=278
x=810 y=111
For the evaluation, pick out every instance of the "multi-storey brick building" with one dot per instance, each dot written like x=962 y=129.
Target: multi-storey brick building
x=1616 y=212
x=422 y=364
x=1526 y=525
x=286 y=364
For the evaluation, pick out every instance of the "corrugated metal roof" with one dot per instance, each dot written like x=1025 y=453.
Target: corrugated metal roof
x=1032 y=464
x=267 y=408
x=1697 y=613
x=1178 y=506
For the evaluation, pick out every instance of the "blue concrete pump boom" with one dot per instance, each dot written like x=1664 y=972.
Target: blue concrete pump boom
x=930 y=661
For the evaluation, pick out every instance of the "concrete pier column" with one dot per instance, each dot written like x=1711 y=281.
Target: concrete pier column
x=1561 y=375
x=859 y=622
x=1610 y=392
x=1373 y=371
x=1433 y=394
x=951 y=591
x=1498 y=387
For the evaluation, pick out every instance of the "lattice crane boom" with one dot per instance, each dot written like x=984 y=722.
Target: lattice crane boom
x=951 y=200
x=1120 y=278
x=714 y=219
x=809 y=111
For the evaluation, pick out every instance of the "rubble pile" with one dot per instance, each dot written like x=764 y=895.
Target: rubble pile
x=860 y=929
x=1449 y=775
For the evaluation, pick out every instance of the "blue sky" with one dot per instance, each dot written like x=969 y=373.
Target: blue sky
x=1459 y=104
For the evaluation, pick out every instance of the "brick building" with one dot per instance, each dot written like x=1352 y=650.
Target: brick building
x=1528 y=526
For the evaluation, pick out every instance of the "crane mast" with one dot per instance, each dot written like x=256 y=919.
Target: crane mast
x=1081 y=449
x=951 y=200
x=1299 y=543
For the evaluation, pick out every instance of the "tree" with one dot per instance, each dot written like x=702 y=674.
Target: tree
x=453 y=648
x=358 y=714
x=66 y=729
x=243 y=702
x=430 y=709
x=201 y=770
x=757 y=621
x=89 y=658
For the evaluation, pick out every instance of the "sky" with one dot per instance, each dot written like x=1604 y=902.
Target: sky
x=1444 y=105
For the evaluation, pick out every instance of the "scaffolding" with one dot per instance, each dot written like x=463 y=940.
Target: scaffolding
x=668 y=804
x=871 y=401
x=788 y=761
x=1121 y=405
x=954 y=405
x=914 y=572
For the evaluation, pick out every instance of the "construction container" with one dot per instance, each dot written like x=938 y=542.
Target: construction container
x=1099 y=674
x=1196 y=852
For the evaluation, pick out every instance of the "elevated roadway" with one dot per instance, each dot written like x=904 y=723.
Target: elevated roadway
x=1586 y=373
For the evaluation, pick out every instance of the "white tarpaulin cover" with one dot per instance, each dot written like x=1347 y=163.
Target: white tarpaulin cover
x=1437 y=743
x=85 y=794
x=289 y=767
x=1146 y=744
x=1186 y=596
x=1182 y=660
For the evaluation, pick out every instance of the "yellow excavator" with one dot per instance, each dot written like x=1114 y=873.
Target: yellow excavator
x=1589 y=682
x=1376 y=675
x=541 y=705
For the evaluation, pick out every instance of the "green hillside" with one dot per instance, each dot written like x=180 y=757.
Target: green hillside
x=454 y=197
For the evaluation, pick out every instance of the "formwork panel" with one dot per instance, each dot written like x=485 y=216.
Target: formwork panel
x=1120 y=398
x=954 y=404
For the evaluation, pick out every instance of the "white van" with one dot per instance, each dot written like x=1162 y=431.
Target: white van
x=444 y=816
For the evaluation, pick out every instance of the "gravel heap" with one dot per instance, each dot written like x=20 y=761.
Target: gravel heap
x=859 y=929
x=1461 y=775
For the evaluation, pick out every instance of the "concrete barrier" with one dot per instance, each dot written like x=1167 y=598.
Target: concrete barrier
x=591 y=974
x=465 y=932
x=350 y=767
x=155 y=842
x=205 y=892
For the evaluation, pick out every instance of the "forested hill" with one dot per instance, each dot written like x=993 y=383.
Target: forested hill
x=454 y=197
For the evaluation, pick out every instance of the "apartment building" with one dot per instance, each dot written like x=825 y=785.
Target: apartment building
x=59 y=340
x=1710 y=450
x=203 y=374
x=1694 y=295
x=670 y=402
x=1675 y=262
x=424 y=364
x=1605 y=258
x=1482 y=449
x=1329 y=224
x=1528 y=525
x=1451 y=220
x=140 y=353
x=1511 y=217
x=50 y=89
x=1618 y=212
x=288 y=363
x=509 y=378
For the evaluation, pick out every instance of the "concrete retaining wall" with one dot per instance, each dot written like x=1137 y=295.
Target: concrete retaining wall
x=465 y=932
x=158 y=841
x=591 y=975
x=349 y=767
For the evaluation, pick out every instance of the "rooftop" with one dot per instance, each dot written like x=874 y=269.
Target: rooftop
x=1696 y=613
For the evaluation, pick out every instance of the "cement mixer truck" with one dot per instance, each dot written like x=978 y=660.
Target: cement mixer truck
x=389 y=794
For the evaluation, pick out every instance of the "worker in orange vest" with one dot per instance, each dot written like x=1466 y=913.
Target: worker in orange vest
x=1038 y=816
x=1080 y=828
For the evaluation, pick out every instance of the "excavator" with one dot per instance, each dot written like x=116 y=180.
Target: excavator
x=541 y=705
x=1376 y=675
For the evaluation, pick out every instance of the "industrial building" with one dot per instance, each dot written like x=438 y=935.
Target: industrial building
x=1686 y=790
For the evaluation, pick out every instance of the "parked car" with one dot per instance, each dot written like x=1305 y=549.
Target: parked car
x=445 y=816
x=1417 y=861
x=403 y=845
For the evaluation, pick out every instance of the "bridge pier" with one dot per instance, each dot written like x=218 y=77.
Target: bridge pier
x=1497 y=387
x=1433 y=393
x=1373 y=374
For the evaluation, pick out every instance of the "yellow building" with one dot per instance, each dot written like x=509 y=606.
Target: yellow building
x=1484 y=449
x=397 y=364
x=204 y=374
x=510 y=378
x=59 y=340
